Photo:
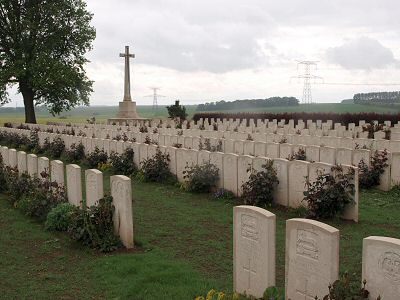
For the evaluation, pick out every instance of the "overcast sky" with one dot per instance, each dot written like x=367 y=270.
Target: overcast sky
x=210 y=50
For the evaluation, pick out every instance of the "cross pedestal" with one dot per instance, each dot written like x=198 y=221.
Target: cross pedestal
x=127 y=108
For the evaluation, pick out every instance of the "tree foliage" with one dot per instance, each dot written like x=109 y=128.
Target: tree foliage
x=248 y=103
x=177 y=111
x=42 y=48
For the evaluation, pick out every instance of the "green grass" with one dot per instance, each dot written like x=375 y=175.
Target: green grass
x=102 y=113
x=81 y=114
x=186 y=248
x=322 y=107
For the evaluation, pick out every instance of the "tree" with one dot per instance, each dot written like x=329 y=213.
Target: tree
x=177 y=111
x=42 y=48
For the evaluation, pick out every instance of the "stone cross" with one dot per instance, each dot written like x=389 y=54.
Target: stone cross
x=127 y=83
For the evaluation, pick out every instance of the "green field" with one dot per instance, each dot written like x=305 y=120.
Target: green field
x=186 y=248
x=102 y=113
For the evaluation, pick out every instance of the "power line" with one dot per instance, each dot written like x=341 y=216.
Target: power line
x=155 y=96
x=358 y=83
x=308 y=77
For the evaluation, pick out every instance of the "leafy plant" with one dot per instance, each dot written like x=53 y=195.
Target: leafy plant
x=16 y=185
x=97 y=157
x=299 y=155
x=259 y=189
x=59 y=218
x=329 y=194
x=273 y=293
x=201 y=178
x=215 y=295
x=55 y=148
x=222 y=194
x=3 y=182
x=177 y=111
x=370 y=176
x=156 y=168
x=345 y=289
x=76 y=153
x=123 y=164
x=42 y=197
x=94 y=226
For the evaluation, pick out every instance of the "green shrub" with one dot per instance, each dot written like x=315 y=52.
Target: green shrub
x=123 y=164
x=156 y=168
x=16 y=186
x=55 y=148
x=259 y=189
x=299 y=155
x=344 y=289
x=59 y=218
x=201 y=178
x=3 y=182
x=370 y=176
x=42 y=197
x=96 y=158
x=94 y=226
x=330 y=193
x=76 y=153
x=33 y=143
x=222 y=194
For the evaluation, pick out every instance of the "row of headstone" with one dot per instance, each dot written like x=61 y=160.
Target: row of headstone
x=234 y=170
x=330 y=155
x=311 y=260
x=121 y=187
x=299 y=137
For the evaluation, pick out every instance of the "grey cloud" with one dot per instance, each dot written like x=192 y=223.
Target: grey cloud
x=219 y=35
x=362 y=53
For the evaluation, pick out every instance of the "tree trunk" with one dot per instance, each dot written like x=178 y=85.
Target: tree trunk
x=28 y=95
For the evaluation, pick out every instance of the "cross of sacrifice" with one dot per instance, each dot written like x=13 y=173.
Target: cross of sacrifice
x=127 y=83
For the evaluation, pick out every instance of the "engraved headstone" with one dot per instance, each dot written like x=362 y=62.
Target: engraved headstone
x=94 y=186
x=121 y=191
x=57 y=171
x=312 y=258
x=74 y=184
x=381 y=267
x=253 y=250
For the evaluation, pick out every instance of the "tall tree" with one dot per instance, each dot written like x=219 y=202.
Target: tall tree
x=42 y=50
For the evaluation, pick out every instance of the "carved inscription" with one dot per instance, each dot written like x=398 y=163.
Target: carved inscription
x=306 y=244
x=249 y=227
x=389 y=264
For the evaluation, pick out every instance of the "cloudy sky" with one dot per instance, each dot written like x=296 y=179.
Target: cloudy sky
x=209 y=50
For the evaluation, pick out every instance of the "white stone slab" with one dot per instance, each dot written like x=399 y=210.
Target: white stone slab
x=381 y=267
x=121 y=191
x=94 y=186
x=253 y=250
x=74 y=184
x=312 y=258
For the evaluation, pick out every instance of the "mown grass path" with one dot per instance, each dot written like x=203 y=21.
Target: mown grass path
x=186 y=248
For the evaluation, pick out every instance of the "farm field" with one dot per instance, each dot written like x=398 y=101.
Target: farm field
x=185 y=248
x=102 y=113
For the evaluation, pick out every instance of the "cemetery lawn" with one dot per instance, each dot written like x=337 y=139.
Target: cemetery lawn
x=185 y=248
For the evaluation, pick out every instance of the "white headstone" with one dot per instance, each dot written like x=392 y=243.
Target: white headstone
x=22 y=163
x=230 y=176
x=298 y=171
x=32 y=165
x=94 y=186
x=312 y=258
x=121 y=191
x=253 y=250
x=43 y=166
x=381 y=267
x=74 y=184
x=57 y=171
